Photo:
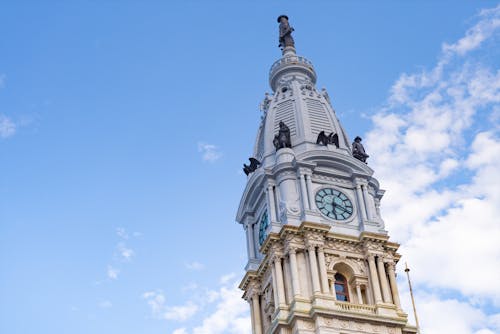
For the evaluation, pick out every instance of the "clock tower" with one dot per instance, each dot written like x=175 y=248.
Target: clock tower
x=319 y=258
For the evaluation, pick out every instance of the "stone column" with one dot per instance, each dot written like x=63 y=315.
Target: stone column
x=383 y=280
x=361 y=202
x=314 y=269
x=271 y=203
x=303 y=191
x=368 y=202
x=250 y=241
x=394 y=285
x=256 y=314
x=252 y=313
x=310 y=191
x=374 y=278
x=294 y=272
x=279 y=281
x=322 y=270
x=358 y=292
x=332 y=285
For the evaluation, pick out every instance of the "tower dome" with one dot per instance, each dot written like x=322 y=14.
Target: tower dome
x=297 y=103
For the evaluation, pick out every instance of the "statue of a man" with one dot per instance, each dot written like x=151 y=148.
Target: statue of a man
x=358 y=151
x=282 y=139
x=286 y=38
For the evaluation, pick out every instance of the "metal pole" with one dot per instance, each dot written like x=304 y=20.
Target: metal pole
x=407 y=270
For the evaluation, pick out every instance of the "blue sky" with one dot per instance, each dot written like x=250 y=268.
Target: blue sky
x=124 y=126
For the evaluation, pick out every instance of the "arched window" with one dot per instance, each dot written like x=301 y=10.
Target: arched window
x=341 y=290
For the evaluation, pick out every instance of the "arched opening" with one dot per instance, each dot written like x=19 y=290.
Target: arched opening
x=341 y=288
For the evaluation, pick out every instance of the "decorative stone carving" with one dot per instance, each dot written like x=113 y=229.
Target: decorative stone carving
x=373 y=247
x=269 y=304
x=329 y=259
x=359 y=326
x=319 y=178
x=313 y=238
x=264 y=105
x=343 y=246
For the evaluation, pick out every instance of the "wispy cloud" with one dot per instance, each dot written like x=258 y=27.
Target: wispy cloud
x=224 y=310
x=3 y=79
x=113 y=273
x=195 y=265
x=180 y=331
x=156 y=300
x=209 y=152
x=124 y=252
x=120 y=231
x=437 y=158
x=105 y=304
x=7 y=126
x=230 y=313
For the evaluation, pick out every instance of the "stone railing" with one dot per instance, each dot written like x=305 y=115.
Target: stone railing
x=290 y=60
x=357 y=308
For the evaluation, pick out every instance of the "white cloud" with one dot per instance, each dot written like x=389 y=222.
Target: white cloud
x=227 y=278
x=195 y=265
x=474 y=37
x=105 y=304
x=438 y=160
x=223 y=310
x=190 y=287
x=7 y=127
x=230 y=315
x=3 y=79
x=125 y=252
x=156 y=300
x=180 y=312
x=120 y=231
x=113 y=273
x=209 y=152
x=180 y=331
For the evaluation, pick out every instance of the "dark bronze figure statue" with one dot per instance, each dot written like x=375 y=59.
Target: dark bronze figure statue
x=282 y=139
x=254 y=164
x=286 y=38
x=358 y=151
x=332 y=138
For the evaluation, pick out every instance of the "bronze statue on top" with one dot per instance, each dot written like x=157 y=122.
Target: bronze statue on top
x=358 y=151
x=282 y=139
x=286 y=38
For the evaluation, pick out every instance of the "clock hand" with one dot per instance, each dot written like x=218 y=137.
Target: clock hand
x=335 y=205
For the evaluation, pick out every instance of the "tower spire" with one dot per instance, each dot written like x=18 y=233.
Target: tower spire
x=319 y=258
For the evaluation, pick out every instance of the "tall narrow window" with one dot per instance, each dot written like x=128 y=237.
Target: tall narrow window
x=341 y=290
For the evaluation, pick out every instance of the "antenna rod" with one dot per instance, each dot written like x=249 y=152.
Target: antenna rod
x=407 y=270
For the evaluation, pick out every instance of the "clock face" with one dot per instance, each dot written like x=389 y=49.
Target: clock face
x=264 y=223
x=334 y=204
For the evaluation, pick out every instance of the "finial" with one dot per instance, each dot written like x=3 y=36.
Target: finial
x=286 y=42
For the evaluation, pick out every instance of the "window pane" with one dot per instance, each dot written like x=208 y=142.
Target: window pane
x=342 y=298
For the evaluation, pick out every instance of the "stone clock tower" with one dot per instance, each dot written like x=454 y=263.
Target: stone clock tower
x=319 y=258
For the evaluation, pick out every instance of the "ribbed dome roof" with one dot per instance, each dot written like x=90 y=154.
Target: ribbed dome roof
x=305 y=110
